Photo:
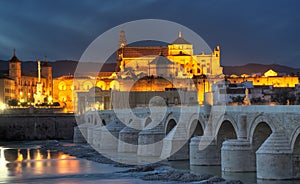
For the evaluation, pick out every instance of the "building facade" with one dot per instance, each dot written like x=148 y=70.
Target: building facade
x=25 y=82
x=269 y=78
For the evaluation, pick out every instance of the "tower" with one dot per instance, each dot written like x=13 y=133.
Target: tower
x=15 y=73
x=122 y=43
x=180 y=47
x=47 y=73
x=122 y=40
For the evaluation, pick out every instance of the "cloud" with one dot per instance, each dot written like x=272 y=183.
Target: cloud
x=248 y=31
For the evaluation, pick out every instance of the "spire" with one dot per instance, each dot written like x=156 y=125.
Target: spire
x=122 y=40
x=45 y=63
x=179 y=34
x=14 y=58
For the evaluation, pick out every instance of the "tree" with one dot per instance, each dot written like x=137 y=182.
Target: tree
x=282 y=96
x=13 y=102
x=238 y=99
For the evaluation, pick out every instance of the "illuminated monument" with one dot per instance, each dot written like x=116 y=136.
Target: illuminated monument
x=180 y=52
x=39 y=96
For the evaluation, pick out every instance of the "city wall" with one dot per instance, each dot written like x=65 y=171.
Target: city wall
x=20 y=127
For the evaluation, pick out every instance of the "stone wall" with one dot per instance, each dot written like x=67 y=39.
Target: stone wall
x=19 y=127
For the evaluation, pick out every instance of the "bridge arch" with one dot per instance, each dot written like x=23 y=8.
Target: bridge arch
x=226 y=130
x=226 y=118
x=196 y=126
x=294 y=137
x=263 y=125
x=170 y=125
x=103 y=122
x=147 y=122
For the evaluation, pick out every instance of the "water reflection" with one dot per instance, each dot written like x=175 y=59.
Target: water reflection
x=18 y=162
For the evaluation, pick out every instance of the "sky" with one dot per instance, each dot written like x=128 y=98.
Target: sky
x=256 y=31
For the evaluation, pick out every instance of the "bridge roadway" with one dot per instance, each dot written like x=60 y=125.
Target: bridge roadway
x=265 y=139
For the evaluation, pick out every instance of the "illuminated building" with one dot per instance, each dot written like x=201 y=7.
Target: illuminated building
x=67 y=88
x=180 y=52
x=269 y=78
x=7 y=89
x=25 y=82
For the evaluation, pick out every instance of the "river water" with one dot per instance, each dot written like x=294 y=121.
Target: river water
x=27 y=163
x=30 y=164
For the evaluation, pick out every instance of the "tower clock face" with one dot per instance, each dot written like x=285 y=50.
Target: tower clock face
x=12 y=65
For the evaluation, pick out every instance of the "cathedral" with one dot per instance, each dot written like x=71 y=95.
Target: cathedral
x=182 y=62
x=173 y=71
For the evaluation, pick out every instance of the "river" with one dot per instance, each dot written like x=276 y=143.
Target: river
x=27 y=163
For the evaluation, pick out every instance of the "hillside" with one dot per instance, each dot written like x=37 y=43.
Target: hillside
x=62 y=67
x=259 y=68
x=65 y=67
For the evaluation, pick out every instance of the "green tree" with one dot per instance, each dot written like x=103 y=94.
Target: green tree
x=13 y=102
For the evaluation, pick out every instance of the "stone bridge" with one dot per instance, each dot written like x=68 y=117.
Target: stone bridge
x=265 y=139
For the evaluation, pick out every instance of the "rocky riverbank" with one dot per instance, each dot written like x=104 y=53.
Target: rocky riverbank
x=151 y=172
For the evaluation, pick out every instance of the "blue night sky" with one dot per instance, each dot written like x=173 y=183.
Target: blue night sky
x=259 y=31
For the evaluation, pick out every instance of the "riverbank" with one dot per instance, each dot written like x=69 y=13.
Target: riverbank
x=152 y=172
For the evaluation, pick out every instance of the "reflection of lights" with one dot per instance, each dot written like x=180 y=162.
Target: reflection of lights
x=38 y=155
x=20 y=156
x=3 y=168
x=28 y=154
x=64 y=156
x=48 y=154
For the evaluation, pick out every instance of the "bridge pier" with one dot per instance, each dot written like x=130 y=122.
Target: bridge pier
x=96 y=135
x=237 y=156
x=81 y=133
x=109 y=135
x=78 y=136
x=150 y=143
x=128 y=137
x=274 y=158
x=173 y=149
x=204 y=151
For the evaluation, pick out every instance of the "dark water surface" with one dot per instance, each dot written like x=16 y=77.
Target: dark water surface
x=26 y=162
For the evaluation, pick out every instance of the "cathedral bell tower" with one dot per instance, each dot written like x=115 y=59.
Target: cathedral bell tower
x=15 y=73
x=122 y=43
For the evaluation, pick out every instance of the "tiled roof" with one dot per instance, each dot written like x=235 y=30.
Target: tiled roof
x=134 y=52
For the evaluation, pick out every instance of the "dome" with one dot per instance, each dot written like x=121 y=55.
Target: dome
x=180 y=40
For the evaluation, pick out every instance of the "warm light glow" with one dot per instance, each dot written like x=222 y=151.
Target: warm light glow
x=38 y=156
x=270 y=73
x=50 y=99
x=2 y=106
x=28 y=154
x=48 y=154
x=20 y=156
